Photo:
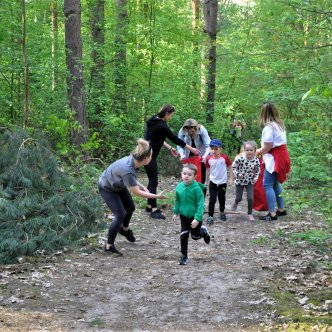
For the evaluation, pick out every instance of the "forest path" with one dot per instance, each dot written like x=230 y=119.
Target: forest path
x=226 y=285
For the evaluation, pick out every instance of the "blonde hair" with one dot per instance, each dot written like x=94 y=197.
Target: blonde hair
x=251 y=143
x=192 y=167
x=270 y=114
x=190 y=123
x=142 y=150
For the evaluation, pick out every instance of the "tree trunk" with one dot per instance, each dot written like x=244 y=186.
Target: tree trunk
x=26 y=68
x=75 y=83
x=97 y=80
x=210 y=10
x=195 y=23
x=120 y=72
x=54 y=13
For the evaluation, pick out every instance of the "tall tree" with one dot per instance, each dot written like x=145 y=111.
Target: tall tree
x=120 y=70
x=97 y=78
x=26 y=66
x=195 y=24
x=210 y=11
x=54 y=15
x=75 y=81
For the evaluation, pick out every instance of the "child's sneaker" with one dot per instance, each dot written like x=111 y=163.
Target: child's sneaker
x=281 y=213
x=183 y=260
x=268 y=217
x=112 y=250
x=148 y=209
x=128 y=234
x=205 y=234
x=209 y=220
x=251 y=217
x=223 y=216
x=234 y=207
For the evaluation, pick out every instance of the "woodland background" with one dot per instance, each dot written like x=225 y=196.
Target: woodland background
x=80 y=78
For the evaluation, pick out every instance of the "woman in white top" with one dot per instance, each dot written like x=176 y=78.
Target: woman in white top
x=276 y=159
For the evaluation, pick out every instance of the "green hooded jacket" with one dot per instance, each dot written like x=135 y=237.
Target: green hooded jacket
x=189 y=200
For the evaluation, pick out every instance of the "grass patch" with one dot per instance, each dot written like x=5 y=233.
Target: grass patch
x=290 y=310
x=261 y=241
x=314 y=237
x=318 y=238
x=97 y=322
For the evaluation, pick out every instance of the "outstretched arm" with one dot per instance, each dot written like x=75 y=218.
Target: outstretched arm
x=172 y=150
x=193 y=150
x=139 y=192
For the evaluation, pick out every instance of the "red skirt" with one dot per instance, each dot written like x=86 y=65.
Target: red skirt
x=260 y=203
x=196 y=160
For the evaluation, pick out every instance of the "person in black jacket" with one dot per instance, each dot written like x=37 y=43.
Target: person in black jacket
x=156 y=133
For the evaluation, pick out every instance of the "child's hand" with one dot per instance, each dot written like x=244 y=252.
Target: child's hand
x=194 y=223
x=174 y=217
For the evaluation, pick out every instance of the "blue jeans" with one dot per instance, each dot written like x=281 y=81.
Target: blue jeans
x=272 y=191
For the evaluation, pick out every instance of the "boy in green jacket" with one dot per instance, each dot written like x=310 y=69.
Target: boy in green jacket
x=189 y=203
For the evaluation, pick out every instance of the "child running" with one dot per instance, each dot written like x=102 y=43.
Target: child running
x=189 y=203
x=217 y=165
x=246 y=169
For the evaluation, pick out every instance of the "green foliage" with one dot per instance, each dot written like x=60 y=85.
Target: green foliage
x=41 y=208
x=275 y=50
x=313 y=237
x=319 y=238
x=311 y=172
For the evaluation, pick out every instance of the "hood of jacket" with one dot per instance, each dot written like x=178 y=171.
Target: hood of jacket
x=152 y=121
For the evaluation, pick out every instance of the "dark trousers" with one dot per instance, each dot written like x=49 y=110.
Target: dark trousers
x=122 y=206
x=185 y=230
x=217 y=191
x=152 y=173
x=250 y=195
x=203 y=173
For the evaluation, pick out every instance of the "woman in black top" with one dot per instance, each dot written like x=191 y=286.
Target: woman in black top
x=156 y=133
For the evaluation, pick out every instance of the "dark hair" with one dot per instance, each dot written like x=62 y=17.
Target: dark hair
x=168 y=108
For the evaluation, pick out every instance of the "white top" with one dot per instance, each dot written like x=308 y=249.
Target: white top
x=272 y=133
x=218 y=168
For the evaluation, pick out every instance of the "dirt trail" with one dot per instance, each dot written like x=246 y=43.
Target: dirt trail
x=224 y=287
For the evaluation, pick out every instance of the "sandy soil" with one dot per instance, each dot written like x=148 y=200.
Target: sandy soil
x=226 y=285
